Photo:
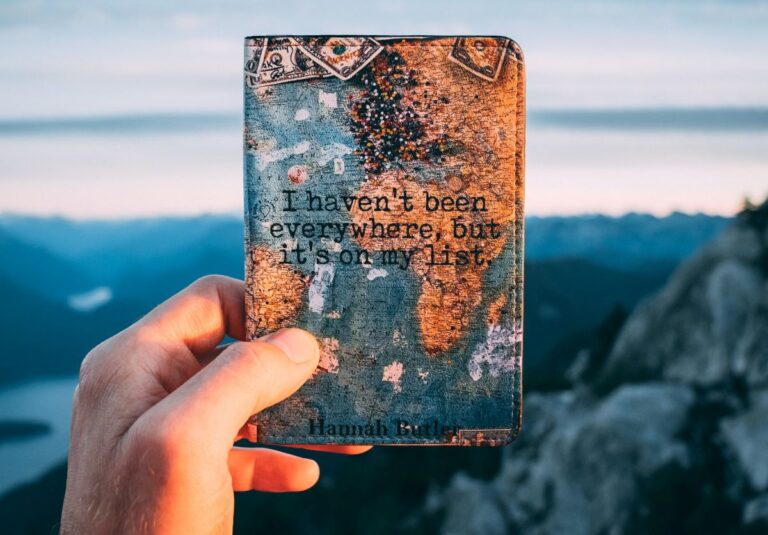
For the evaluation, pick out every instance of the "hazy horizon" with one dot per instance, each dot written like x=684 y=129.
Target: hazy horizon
x=633 y=107
x=117 y=219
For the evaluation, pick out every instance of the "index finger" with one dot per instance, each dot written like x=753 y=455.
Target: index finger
x=200 y=315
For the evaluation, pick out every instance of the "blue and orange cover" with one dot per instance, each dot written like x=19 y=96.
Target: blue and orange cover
x=384 y=213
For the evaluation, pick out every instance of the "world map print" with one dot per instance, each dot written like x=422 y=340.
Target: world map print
x=384 y=213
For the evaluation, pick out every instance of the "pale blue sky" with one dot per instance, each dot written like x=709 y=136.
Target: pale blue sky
x=85 y=58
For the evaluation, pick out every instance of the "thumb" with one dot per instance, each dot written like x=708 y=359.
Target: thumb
x=244 y=379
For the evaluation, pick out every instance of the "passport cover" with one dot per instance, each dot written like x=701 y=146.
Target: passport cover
x=384 y=214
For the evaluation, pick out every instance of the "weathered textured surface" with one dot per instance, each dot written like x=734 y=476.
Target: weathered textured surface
x=418 y=328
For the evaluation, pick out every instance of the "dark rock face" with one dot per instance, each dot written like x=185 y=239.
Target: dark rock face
x=668 y=433
x=708 y=325
x=580 y=465
x=746 y=437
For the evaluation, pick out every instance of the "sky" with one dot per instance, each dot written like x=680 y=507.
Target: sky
x=142 y=59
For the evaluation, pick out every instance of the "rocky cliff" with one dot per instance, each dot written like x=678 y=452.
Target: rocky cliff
x=665 y=431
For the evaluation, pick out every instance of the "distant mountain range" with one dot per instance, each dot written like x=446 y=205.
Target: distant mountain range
x=578 y=271
x=106 y=251
x=709 y=118
x=629 y=241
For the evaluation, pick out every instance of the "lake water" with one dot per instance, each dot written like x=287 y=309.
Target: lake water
x=47 y=401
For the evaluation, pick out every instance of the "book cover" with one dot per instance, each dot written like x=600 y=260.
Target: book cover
x=384 y=214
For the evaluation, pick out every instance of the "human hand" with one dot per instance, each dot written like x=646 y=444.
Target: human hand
x=157 y=411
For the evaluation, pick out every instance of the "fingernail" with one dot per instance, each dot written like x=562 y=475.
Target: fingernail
x=299 y=345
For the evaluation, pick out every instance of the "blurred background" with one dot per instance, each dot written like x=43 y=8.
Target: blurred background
x=646 y=314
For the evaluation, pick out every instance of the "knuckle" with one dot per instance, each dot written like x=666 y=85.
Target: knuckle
x=256 y=356
x=162 y=439
x=87 y=366
x=207 y=284
x=102 y=366
x=92 y=380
